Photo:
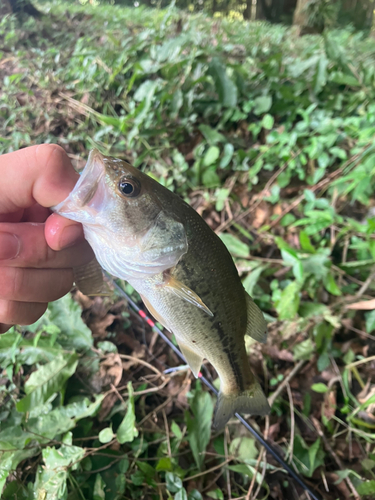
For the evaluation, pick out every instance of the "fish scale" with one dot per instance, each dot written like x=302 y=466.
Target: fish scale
x=180 y=267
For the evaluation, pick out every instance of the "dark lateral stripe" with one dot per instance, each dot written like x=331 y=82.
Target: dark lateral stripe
x=229 y=348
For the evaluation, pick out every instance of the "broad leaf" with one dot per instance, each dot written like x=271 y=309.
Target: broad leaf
x=48 y=379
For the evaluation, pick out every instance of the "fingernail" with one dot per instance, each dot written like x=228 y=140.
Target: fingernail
x=10 y=246
x=70 y=236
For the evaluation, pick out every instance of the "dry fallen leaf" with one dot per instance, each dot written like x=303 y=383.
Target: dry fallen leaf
x=111 y=370
x=363 y=305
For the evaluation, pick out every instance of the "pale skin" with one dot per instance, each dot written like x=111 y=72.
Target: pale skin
x=37 y=249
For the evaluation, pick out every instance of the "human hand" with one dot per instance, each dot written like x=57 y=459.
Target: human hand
x=37 y=250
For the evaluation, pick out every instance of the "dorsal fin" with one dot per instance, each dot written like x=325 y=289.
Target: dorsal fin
x=256 y=324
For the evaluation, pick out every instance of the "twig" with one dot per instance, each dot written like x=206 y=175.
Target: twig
x=253 y=479
x=264 y=457
x=208 y=470
x=226 y=438
x=167 y=433
x=118 y=394
x=142 y=362
x=286 y=381
x=291 y=444
x=365 y=285
x=335 y=457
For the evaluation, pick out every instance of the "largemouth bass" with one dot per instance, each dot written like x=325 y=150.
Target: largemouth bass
x=143 y=233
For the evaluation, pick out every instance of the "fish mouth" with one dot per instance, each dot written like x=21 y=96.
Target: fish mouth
x=89 y=195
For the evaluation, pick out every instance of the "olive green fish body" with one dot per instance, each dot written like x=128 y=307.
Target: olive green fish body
x=181 y=268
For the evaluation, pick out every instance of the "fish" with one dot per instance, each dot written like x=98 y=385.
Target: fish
x=149 y=236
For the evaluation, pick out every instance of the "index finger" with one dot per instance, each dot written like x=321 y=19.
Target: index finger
x=39 y=174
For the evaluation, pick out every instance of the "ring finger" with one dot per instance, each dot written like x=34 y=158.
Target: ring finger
x=34 y=285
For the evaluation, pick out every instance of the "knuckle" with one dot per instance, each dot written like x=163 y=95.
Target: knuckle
x=21 y=313
x=8 y=311
x=9 y=283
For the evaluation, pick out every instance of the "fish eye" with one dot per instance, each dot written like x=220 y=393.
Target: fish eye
x=129 y=187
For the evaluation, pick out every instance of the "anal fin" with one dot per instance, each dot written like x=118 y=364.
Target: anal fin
x=185 y=293
x=193 y=359
x=256 y=324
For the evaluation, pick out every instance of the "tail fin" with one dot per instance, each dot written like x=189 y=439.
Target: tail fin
x=251 y=401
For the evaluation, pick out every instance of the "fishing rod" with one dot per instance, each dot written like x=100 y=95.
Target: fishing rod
x=271 y=450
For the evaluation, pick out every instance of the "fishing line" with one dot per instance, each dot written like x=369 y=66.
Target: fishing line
x=208 y=384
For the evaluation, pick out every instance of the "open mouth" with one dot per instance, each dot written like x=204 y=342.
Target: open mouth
x=89 y=194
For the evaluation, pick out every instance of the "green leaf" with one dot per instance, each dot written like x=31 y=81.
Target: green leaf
x=235 y=246
x=288 y=303
x=164 y=464
x=216 y=494
x=181 y=495
x=366 y=488
x=65 y=314
x=194 y=495
x=210 y=178
x=370 y=321
x=252 y=279
x=106 y=435
x=99 y=493
x=226 y=89
x=267 y=121
x=262 y=104
x=173 y=482
x=227 y=156
x=46 y=425
x=9 y=460
x=305 y=242
x=244 y=449
x=52 y=476
x=199 y=426
x=321 y=388
x=331 y=286
x=47 y=380
x=211 y=135
x=212 y=154
x=127 y=430
x=309 y=457
x=303 y=350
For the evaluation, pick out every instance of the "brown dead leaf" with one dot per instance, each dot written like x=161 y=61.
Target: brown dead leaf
x=273 y=431
x=342 y=488
x=99 y=327
x=362 y=305
x=138 y=353
x=275 y=353
x=107 y=405
x=110 y=370
x=262 y=214
x=330 y=404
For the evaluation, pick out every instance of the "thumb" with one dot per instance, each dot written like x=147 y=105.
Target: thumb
x=39 y=174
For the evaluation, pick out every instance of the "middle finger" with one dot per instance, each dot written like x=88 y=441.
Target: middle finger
x=24 y=245
x=34 y=285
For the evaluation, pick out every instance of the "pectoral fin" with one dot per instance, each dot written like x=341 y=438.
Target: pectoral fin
x=256 y=324
x=89 y=279
x=155 y=314
x=186 y=293
x=193 y=360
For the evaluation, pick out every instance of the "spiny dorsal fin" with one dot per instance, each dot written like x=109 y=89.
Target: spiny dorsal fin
x=185 y=293
x=256 y=324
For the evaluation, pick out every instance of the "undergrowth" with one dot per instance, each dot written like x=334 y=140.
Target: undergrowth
x=270 y=137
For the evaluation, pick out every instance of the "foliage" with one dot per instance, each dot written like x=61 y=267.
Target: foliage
x=270 y=137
